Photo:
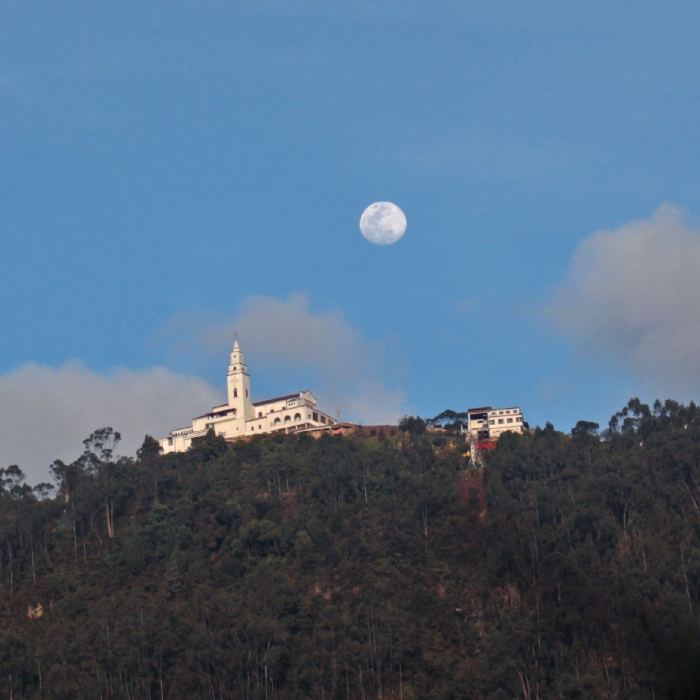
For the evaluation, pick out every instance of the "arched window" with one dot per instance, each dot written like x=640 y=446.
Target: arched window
x=297 y=416
x=277 y=421
x=287 y=419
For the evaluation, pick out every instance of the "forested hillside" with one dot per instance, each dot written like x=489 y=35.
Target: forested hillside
x=361 y=568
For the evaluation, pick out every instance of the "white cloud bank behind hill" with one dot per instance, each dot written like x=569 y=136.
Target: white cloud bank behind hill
x=633 y=297
x=46 y=413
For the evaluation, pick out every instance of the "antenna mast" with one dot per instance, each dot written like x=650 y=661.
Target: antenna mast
x=474 y=456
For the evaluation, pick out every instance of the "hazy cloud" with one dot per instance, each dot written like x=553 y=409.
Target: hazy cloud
x=46 y=413
x=633 y=297
x=348 y=369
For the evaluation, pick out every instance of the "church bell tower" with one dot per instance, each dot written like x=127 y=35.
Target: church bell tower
x=238 y=385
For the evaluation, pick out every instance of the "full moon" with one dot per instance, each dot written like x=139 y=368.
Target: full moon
x=383 y=223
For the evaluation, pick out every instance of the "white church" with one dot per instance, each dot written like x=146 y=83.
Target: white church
x=240 y=417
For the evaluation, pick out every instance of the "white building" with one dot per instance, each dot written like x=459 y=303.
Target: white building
x=488 y=423
x=240 y=417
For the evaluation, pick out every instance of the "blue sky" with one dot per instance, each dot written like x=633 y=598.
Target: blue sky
x=165 y=165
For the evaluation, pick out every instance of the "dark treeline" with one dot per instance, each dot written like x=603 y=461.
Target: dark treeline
x=361 y=568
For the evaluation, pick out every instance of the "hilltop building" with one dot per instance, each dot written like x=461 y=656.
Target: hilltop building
x=488 y=423
x=240 y=417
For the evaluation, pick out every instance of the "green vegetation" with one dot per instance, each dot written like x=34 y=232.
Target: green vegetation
x=361 y=568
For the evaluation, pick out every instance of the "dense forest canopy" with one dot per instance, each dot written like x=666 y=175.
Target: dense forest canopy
x=361 y=567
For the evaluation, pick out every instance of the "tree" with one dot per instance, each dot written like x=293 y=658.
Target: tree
x=149 y=450
x=414 y=425
x=448 y=419
x=99 y=448
x=585 y=428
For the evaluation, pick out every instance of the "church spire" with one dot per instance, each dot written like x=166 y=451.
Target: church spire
x=238 y=384
x=237 y=356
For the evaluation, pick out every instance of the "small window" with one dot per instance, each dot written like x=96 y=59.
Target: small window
x=500 y=420
x=510 y=420
x=491 y=422
x=323 y=419
x=519 y=419
x=316 y=417
x=235 y=393
x=170 y=441
x=246 y=393
x=500 y=413
x=297 y=416
x=260 y=414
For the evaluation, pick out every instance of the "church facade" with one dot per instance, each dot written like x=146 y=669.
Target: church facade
x=240 y=417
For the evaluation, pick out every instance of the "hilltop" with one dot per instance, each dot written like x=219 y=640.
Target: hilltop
x=361 y=567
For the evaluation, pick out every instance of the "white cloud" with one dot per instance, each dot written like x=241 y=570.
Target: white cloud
x=46 y=413
x=633 y=297
x=348 y=369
